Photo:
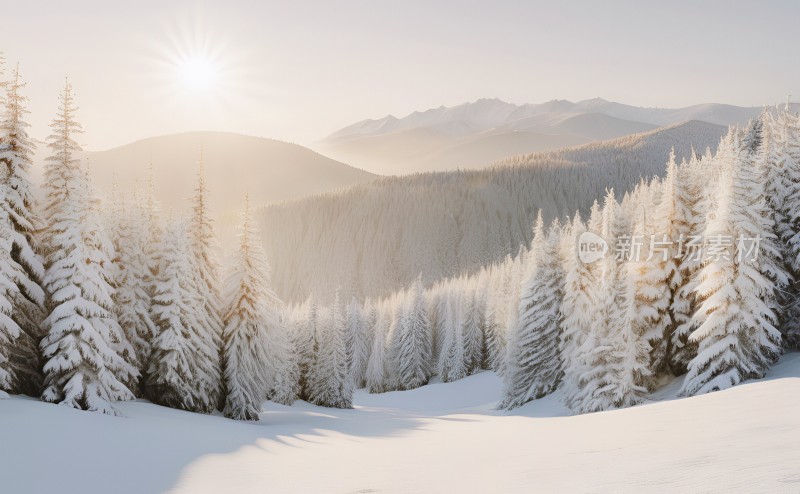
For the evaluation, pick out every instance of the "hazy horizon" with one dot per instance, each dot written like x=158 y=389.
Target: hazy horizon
x=299 y=72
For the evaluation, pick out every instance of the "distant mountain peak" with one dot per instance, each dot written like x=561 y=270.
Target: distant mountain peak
x=473 y=133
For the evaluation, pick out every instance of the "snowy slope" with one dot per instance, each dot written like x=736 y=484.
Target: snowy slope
x=439 y=438
x=474 y=134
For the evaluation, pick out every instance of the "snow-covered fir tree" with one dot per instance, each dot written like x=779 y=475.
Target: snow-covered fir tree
x=606 y=381
x=184 y=362
x=305 y=340
x=132 y=297
x=578 y=310
x=657 y=269
x=643 y=301
x=83 y=368
x=206 y=276
x=778 y=160
x=494 y=326
x=473 y=331
x=357 y=343
x=534 y=366
x=413 y=351
x=256 y=346
x=376 y=378
x=12 y=374
x=684 y=301
x=27 y=310
x=452 y=362
x=736 y=336
x=331 y=383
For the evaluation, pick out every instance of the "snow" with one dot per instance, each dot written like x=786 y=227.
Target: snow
x=438 y=438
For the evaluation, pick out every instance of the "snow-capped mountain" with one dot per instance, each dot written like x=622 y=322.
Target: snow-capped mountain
x=472 y=135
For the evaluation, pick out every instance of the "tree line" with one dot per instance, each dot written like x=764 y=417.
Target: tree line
x=106 y=300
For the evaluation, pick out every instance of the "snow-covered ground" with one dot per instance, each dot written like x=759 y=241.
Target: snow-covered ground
x=440 y=438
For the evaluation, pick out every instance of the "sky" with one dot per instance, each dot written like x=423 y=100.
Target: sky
x=299 y=70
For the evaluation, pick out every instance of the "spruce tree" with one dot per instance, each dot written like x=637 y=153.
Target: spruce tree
x=414 y=351
x=598 y=352
x=357 y=343
x=473 y=332
x=534 y=366
x=658 y=272
x=250 y=320
x=12 y=375
x=494 y=329
x=305 y=339
x=206 y=278
x=84 y=368
x=16 y=152
x=778 y=161
x=376 y=368
x=183 y=361
x=452 y=363
x=578 y=311
x=332 y=386
x=684 y=301
x=132 y=297
x=736 y=336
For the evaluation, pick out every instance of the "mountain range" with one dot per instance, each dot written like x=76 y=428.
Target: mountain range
x=472 y=135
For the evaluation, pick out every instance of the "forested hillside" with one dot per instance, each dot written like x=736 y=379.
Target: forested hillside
x=374 y=238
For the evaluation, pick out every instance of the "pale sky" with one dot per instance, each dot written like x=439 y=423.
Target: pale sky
x=298 y=70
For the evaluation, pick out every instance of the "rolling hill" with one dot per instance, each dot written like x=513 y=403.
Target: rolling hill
x=268 y=170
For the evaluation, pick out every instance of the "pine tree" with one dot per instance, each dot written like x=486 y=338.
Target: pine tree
x=206 y=279
x=414 y=351
x=736 y=334
x=644 y=301
x=84 y=368
x=11 y=335
x=27 y=311
x=578 y=311
x=332 y=386
x=534 y=366
x=183 y=360
x=494 y=330
x=778 y=161
x=684 y=302
x=152 y=232
x=285 y=374
x=473 y=333
x=132 y=297
x=601 y=358
x=398 y=304
x=250 y=321
x=658 y=273
x=304 y=338
x=452 y=363
x=357 y=343
x=376 y=368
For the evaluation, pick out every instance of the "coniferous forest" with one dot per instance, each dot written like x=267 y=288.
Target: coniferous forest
x=104 y=298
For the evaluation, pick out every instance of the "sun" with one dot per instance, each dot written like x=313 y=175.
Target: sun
x=198 y=72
